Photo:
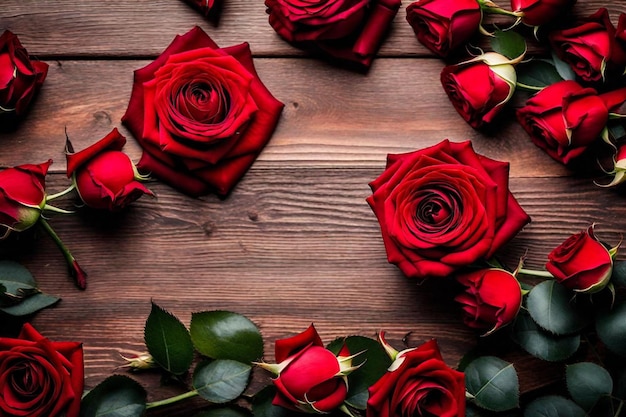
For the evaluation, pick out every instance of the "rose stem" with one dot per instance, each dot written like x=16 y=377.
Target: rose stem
x=61 y=194
x=172 y=400
x=534 y=272
x=75 y=269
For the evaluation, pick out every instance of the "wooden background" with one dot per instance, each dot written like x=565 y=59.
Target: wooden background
x=295 y=242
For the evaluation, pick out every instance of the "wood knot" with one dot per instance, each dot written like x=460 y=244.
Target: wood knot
x=208 y=228
x=102 y=117
x=253 y=215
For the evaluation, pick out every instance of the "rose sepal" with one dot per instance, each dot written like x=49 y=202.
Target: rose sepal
x=390 y=350
x=345 y=364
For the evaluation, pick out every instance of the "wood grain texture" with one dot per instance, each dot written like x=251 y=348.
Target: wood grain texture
x=295 y=242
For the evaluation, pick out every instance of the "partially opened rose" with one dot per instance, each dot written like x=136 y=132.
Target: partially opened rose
x=564 y=118
x=350 y=30
x=541 y=12
x=480 y=87
x=22 y=196
x=38 y=377
x=443 y=208
x=417 y=384
x=442 y=25
x=591 y=48
x=491 y=300
x=201 y=114
x=20 y=78
x=309 y=377
x=104 y=176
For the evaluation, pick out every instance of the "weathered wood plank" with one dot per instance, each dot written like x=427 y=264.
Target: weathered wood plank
x=332 y=117
x=116 y=28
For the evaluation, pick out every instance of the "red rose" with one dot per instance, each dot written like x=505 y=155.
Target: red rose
x=591 y=48
x=350 y=30
x=491 y=300
x=40 y=378
x=205 y=6
x=201 y=114
x=444 y=207
x=309 y=377
x=104 y=176
x=418 y=383
x=564 y=118
x=619 y=167
x=581 y=263
x=22 y=196
x=540 y=12
x=442 y=25
x=479 y=88
x=20 y=78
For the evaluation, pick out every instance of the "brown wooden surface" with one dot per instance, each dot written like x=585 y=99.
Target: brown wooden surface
x=295 y=242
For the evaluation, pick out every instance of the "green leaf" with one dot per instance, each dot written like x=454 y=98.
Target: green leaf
x=611 y=328
x=493 y=383
x=116 y=396
x=168 y=341
x=226 y=335
x=374 y=362
x=553 y=406
x=563 y=68
x=31 y=305
x=221 y=380
x=15 y=278
x=510 y=44
x=541 y=344
x=262 y=405
x=620 y=386
x=223 y=412
x=587 y=383
x=553 y=307
x=537 y=73
x=619 y=274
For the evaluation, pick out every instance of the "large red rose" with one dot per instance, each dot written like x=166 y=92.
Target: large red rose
x=591 y=48
x=201 y=114
x=442 y=25
x=418 y=384
x=20 y=78
x=22 y=196
x=564 y=118
x=38 y=377
x=540 y=12
x=350 y=30
x=309 y=377
x=444 y=207
x=479 y=88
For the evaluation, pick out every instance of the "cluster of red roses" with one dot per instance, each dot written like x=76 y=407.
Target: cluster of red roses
x=565 y=117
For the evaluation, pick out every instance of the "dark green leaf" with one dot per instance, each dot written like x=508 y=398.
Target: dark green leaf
x=620 y=388
x=540 y=343
x=262 y=405
x=226 y=335
x=619 y=274
x=168 y=341
x=587 y=383
x=537 y=73
x=563 y=68
x=553 y=406
x=617 y=132
x=508 y=43
x=221 y=380
x=31 y=304
x=15 y=277
x=223 y=412
x=493 y=383
x=116 y=396
x=374 y=362
x=611 y=328
x=553 y=307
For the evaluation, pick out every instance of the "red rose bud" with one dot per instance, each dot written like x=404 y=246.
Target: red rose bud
x=540 y=12
x=309 y=377
x=591 y=48
x=619 y=168
x=22 y=196
x=20 y=78
x=479 y=88
x=442 y=25
x=350 y=30
x=418 y=383
x=492 y=298
x=564 y=118
x=104 y=176
x=443 y=208
x=40 y=378
x=582 y=263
